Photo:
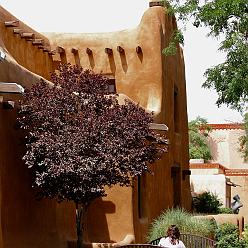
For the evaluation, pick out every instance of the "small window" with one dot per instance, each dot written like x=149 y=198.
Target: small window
x=111 y=83
x=111 y=86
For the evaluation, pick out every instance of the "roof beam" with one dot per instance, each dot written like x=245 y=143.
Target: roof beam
x=13 y=88
x=156 y=126
x=11 y=23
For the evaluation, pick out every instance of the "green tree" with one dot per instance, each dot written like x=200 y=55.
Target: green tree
x=198 y=133
x=244 y=139
x=227 y=20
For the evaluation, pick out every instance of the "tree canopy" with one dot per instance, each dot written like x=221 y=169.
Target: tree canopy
x=227 y=20
x=244 y=139
x=80 y=139
x=198 y=133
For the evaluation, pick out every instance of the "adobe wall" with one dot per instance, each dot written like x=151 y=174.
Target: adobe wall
x=217 y=184
x=144 y=75
x=150 y=81
x=224 y=145
x=235 y=219
x=25 y=221
x=241 y=189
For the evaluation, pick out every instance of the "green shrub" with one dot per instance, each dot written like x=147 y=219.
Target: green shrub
x=227 y=236
x=185 y=221
x=225 y=211
x=245 y=233
x=206 y=202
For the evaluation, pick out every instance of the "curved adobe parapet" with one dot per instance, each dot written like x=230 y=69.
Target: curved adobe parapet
x=132 y=56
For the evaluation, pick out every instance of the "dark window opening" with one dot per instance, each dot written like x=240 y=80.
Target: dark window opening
x=142 y=196
x=176 y=110
x=111 y=88
x=176 y=184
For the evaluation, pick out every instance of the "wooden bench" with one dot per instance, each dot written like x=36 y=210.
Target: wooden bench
x=138 y=246
x=192 y=241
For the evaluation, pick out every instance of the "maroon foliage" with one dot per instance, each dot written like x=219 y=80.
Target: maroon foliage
x=80 y=139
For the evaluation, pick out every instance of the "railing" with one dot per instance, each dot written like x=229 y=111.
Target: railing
x=192 y=241
x=138 y=246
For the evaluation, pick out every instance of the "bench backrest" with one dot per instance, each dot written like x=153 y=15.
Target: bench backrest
x=192 y=241
x=138 y=246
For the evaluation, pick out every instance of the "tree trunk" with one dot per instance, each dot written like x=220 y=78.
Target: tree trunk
x=80 y=215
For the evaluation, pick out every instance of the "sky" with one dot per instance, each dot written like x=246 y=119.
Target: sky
x=87 y=16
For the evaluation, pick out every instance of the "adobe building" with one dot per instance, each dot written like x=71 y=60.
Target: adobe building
x=211 y=177
x=133 y=61
x=227 y=173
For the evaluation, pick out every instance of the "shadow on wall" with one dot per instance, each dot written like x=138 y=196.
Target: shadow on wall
x=140 y=53
x=124 y=61
x=91 y=58
x=96 y=220
x=26 y=222
x=213 y=144
x=112 y=63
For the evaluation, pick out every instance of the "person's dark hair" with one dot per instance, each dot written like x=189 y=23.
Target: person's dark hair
x=174 y=234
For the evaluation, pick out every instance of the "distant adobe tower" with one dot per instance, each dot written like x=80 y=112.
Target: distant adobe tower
x=156 y=3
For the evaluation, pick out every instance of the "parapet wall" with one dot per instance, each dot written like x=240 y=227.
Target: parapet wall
x=29 y=48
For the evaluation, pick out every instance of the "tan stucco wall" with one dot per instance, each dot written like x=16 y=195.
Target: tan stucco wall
x=148 y=78
x=107 y=213
x=236 y=219
x=224 y=145
x=206 y=171
x=25 y=221
x=213 y=183
x=241 y=190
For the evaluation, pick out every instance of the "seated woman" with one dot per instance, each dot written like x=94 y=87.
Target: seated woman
x=172 y=240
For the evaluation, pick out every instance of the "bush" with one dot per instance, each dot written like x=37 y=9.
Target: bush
x=227 y=236
x=245 y=233
x=225 y=211
x=185 y=222
x=206 y=202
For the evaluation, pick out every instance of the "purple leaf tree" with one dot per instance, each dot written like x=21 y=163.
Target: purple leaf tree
x=80 y=139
